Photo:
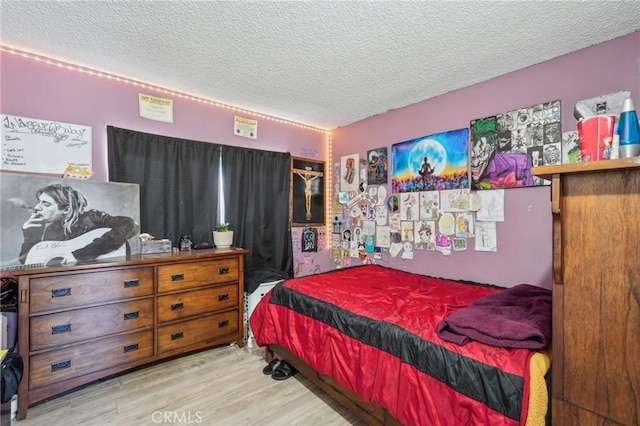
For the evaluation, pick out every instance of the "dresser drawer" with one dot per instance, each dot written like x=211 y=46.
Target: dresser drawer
x=182 y=305
x=195 y=274
x=190 y=332
x=74 y=290
x=76 y=361
x=82 y=324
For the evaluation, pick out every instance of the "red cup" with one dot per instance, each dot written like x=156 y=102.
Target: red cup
x=596 y=136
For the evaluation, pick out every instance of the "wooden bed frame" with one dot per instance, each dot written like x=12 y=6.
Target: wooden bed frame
x=371 y=413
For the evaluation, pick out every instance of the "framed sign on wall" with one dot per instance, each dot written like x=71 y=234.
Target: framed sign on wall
x=307 y=202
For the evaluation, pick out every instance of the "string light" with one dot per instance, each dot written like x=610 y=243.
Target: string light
x=328 y=198
x=148 y=86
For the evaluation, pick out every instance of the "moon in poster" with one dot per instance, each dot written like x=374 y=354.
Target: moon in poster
x=434 y=151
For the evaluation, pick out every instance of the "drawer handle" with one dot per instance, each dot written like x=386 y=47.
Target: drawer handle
x=223 y=323
x=223 y=271
x=177 y=277
x=60 y=365
x=131 y=283
x=131 y=315
x=177 y=306
x=58 y=329
x=223 y=297
x=176 y=336
x=130 y=348
x=61 y=292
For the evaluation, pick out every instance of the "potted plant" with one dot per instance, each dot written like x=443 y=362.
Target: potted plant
x=223 y=236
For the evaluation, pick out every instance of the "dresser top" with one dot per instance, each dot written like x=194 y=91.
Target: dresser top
x=131 y=260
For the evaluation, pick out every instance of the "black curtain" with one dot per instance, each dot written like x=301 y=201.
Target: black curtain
x=179 y=181
x=256 y=187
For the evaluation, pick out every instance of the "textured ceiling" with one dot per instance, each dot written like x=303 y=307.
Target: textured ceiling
x=321 y=63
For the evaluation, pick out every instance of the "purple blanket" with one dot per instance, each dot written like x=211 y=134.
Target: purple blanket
x=517 y=317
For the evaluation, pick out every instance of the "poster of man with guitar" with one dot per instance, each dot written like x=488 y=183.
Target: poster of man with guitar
x=62 y=228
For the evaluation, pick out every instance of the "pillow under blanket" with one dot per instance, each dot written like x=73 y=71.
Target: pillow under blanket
x=517 y=317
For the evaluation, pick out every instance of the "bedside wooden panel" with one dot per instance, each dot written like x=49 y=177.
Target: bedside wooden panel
x=596 y=292
x=74 y=290
x=56 y=366
x=198 y=330
x=188 y=275
x=196 y=302
x=83 y=324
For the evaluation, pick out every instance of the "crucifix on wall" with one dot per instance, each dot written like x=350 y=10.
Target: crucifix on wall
x=307 y=194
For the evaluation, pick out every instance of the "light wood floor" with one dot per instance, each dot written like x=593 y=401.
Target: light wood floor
x=222 y=386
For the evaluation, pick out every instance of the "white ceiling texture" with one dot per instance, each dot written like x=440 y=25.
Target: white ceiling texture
x=321 y=63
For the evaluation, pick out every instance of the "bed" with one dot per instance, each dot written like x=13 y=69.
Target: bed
x=371 y=337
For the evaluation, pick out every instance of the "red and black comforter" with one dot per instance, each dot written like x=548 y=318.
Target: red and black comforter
x=373 y=329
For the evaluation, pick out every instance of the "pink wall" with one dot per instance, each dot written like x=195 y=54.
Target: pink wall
x=39 y=90
x=524 y=248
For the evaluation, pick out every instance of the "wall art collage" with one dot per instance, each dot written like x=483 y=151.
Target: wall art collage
x=369 y=225
x=447 y=189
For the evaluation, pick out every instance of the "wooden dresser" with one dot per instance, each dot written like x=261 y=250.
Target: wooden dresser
x=596 y=292
x=81 y=323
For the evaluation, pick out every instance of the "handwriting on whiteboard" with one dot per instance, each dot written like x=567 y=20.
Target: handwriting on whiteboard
x=43 y=146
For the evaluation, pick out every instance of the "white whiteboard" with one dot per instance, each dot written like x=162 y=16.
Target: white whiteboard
x=43 y=146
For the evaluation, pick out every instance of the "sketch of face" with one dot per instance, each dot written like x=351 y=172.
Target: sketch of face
x=392 y=203
x=482 y=152
x=551 y=155
x=504 y=139
x=552 y=133
x=425 y=234
x=523 y=117
x=47 y=210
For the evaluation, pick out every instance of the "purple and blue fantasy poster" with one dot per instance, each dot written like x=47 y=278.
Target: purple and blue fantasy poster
x=432 y=162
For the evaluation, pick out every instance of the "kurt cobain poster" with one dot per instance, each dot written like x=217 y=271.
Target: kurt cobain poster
x=52 y=221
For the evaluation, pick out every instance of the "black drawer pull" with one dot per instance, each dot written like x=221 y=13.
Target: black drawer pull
x=61 y=292
x=223 y=297
x=177 y=277
x=131 y=315
x=177 y=306
x=131 y=283
x=223 y=323
x=129 y=348
x=223 y=271
x=60 y=365
x=176 y=336
x=57 y=329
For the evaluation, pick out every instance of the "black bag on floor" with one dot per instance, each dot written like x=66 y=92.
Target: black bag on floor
x=12 y=365
x=11 y=375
